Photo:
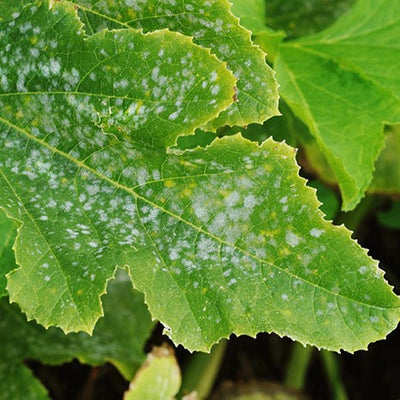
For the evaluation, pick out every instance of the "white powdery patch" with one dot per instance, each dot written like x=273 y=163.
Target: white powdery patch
x=363 y=269
x=315 y=232
x=232 y=199
x=250 y=201
x=292 y=239
x=173 y=116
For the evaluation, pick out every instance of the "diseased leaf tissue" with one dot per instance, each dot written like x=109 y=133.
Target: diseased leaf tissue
x=221 y=240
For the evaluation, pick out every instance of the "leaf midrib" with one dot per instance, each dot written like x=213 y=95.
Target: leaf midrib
x=102 y=95
x=80 y=164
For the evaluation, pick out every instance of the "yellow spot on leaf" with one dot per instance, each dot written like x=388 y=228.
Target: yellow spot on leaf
x=169 y=184
x=186 y=192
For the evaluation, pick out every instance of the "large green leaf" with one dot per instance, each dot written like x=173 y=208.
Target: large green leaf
x=118 y=338
x=211 y=25
x=221 y=240
x=344 y=84
x=211 y=256
x=7 y=259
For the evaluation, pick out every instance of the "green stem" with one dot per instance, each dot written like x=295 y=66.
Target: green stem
x=332 y=370
x=202 y=371
x=298 y=365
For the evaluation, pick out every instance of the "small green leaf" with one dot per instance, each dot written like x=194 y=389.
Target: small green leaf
x=8 y=233
x=344 y=84
x=210 y=23
x=118 y=338
x=159 y=378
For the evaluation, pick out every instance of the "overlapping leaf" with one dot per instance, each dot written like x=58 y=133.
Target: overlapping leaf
x=211 y=25
x=344 y=84
x=220 y=240
x=119 y=338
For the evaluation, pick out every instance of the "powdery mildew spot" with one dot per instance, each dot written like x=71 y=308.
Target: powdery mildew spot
x=292 y=239
x=315 y=232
